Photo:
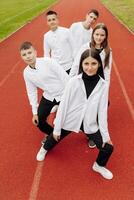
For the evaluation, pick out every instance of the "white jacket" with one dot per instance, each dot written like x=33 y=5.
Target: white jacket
x=57 y=45
x=48 y=76
x=75 y=66
x=79 y=36
x=75 y=108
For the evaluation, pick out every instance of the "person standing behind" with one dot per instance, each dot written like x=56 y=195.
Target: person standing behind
x=99 y=42
x=57 y=43
x=80 y=32
x=47 y=75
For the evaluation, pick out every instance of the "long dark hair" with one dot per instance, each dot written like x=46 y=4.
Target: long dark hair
x=104 y=44
x=94 y=54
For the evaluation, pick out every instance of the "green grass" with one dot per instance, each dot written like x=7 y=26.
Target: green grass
x=16 y=13
x=122 y=9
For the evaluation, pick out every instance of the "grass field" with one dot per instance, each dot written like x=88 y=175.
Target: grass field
x=16 y=13
x=123 y=9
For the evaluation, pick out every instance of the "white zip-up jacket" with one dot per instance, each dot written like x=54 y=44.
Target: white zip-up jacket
x=75 y=108
x=107 y=70
x=48 y=76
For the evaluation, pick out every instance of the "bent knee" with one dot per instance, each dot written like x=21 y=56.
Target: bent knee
x=108 y=147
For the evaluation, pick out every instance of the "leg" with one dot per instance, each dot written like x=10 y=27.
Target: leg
x=103 y=156
x=104 y=152
x=49 y=144
x=44 y=109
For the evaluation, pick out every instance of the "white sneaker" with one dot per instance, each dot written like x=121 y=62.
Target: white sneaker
x=102 y=170
x=54 y=109
x=41 y=154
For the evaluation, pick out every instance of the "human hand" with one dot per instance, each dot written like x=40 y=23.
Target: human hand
x=35 y=120
x=56 y=137
x=109 y=142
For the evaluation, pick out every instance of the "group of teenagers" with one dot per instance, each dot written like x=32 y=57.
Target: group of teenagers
x=74 y=75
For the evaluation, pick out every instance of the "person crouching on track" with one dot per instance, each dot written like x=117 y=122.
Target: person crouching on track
x=47 y=75
x=84 y=107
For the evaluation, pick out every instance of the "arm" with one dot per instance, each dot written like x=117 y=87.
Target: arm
x=62 y=110
x=47 y=50
x=61 y=73
x=73 y=38
x=75 y=67
x=107 y=69
x=32 y=94
x=102 y=115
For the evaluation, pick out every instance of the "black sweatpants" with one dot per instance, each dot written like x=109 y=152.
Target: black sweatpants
x=44 y=110
x=104 y=152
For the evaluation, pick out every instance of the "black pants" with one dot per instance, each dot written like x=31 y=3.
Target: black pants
x=104 y=152
x=44 y=109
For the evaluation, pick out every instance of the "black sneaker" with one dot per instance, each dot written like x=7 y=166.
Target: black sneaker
x=91 y=144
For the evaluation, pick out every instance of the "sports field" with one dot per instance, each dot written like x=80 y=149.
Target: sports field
x=66 y=173
x=16 y=13
x=123 y=10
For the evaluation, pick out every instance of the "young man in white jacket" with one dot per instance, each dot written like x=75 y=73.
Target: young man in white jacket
x=80 y=32
x=57 y=43
x=47 y=75
x=85 y=99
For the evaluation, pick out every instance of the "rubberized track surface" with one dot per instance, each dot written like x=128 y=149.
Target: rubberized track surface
x=66 y=173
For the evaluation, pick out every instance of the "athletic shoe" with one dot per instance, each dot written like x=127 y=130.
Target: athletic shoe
x=103 y=171
x=91 y=144
x=54 y=109
x=41 y=154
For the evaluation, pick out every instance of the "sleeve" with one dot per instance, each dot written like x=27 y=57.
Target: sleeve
x=75 y=66
x=32 y=94
x=72 y=30
x=102 y=114
x=61 y=73
x=107 y=70
x=47 y=50
x=62 y=110
x=70 y=41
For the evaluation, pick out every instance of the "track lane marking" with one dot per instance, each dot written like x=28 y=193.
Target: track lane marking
x=36 y=181
x=128 y=101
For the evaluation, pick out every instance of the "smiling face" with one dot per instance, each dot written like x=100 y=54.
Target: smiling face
x=90 y=66
x=99 y=37
x=29 y=56
x=52 y=22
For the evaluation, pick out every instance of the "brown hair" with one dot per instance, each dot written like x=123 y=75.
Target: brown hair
x=90 y=53
x=95 y=12
x=104 y=44
x=25 y=45
x=51 y=12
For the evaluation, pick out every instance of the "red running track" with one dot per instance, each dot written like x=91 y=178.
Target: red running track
x=66 y=173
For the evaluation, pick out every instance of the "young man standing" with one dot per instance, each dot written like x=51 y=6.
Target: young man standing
x=48 y=75
x=57 y=43
x=81 y=32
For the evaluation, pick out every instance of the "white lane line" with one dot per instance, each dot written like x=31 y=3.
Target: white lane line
x=36 y=181
x=128 y=101
x=9 y=74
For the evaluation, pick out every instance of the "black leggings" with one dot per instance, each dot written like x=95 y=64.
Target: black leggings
x=104 y=152
x=44 y=110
